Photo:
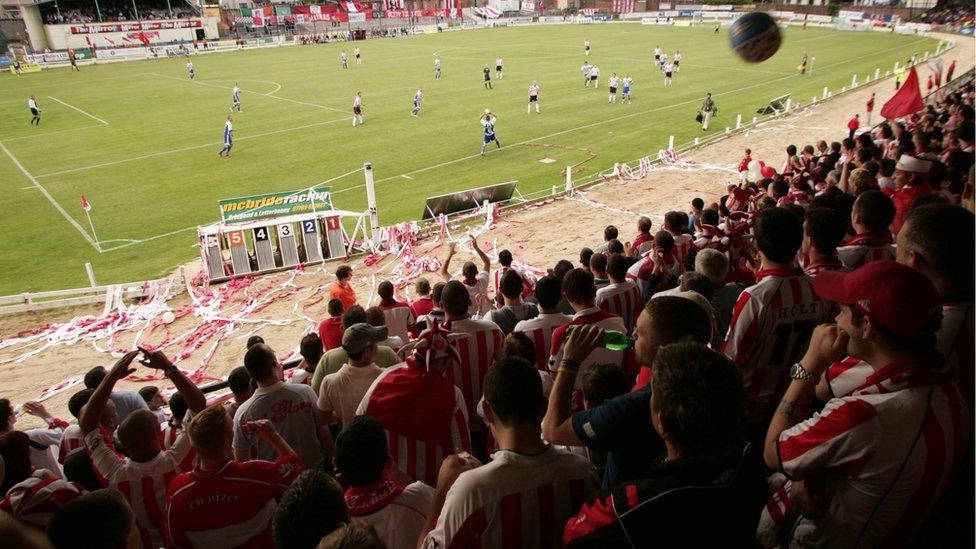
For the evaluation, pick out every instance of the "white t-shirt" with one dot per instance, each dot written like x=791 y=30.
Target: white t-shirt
x=480 y=304
x=292 y=410
x=400 y=523
x=342 y=391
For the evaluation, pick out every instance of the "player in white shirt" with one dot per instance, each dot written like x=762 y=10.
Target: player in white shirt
x=625 y=93
x=190 y=70
x=668 y=71
x=585 y=69
x=595 y=76
x=437 y=67
x=533 y=97
x=357 y=109
x=359 y=58
x=344 y=59
x=613 y=82
x=498 y=68
x=416 y=101
x=663 y=61
x=657 y=55
x=228 y=137
x=586 y=48
x=35 y=111
x=677 y=60
x=236 y=98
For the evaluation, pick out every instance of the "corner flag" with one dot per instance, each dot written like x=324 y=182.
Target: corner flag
x=85 y=204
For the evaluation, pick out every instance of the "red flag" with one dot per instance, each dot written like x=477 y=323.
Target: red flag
x=907 y=101
x=85 y=204
x=143 y=38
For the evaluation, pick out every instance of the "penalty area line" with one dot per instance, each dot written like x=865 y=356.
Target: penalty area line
x=51 y=199
x=88 y=114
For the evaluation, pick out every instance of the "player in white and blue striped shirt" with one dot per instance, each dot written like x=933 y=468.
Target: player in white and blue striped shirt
x=189 y=69
x=236 y=98
x=228 y=137
x=416 y=101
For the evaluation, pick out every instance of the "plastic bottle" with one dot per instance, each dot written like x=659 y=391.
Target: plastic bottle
x=612 y=339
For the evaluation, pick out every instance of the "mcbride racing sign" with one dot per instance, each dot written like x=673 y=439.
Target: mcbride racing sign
x=262 y=206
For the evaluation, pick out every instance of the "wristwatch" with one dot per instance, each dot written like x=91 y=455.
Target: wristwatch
x=797 y=371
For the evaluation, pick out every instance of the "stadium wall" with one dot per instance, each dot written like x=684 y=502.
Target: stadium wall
x=123 y=33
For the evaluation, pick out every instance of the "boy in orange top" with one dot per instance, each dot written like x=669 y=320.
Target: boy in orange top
x=341 y=289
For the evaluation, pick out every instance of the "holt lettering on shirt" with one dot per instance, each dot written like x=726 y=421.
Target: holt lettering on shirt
x=516 y=500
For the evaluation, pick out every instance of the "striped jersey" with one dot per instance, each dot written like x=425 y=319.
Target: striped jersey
x=600 y=355
x=528 y=285
x=35 y=500
x=399 y=319
x=771 y=325
x=883 y=485
x=516 y=500
x=683 y=243
x=399 y=398
x=539 y=330
x=478 y=351
x=228 y=131
x=622 y=299
x=72 y=440
x=142 y=484
x=230 y=507
x=865 y=248
x=236 y=94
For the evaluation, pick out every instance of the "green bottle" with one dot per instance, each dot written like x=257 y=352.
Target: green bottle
x=612 y=339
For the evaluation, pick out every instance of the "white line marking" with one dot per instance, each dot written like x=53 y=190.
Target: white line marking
x=184 y=149
x=50 y=198
x=44 y=134
x=89 y=115
x=316 y=105
x=131 y=242
x=407 y=176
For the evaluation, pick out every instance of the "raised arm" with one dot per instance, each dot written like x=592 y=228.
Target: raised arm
x=445 y=273
x=485 y=262
x=265 y=430
x=92 y=412
x=194 y=397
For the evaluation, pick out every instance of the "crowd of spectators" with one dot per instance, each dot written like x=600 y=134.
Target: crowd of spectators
x=55 y=17
x=960 y=15
x=791 y=364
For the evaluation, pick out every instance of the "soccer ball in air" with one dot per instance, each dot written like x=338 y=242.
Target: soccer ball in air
x=755 y=37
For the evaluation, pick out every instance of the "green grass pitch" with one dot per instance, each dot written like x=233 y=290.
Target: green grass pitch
x=140 y=140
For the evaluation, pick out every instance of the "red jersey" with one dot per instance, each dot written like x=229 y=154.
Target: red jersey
x=853 y=124
x=771 y=325
x=904 y=198
x=622 y=299
x=422 y=306
x=642 y=243
x=744 y=164
x=231 y=507
x=330 y=332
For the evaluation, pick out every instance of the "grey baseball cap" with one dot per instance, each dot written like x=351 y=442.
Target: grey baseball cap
x=358 y=336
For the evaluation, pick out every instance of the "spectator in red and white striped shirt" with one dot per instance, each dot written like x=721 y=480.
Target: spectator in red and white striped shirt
x=823 y=231
x=222 y=502
x=71 y=439
x=644 y=240
x=772 y=321
x=621 y=297
x=400 y=319
x=659 y=268
x=529 y=489
x=475 y=281
x=548 y=292
x=436 y=424
x=34 y=500
x=143 y=476
x=872 y=215
x=505 y=259
x=883 y=479
x=674 y=224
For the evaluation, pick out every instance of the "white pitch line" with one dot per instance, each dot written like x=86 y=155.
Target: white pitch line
x=184 y=149
x=89 y=115
x=132 y=242
x=50 y=198
x=45 y=134
x=199 y=83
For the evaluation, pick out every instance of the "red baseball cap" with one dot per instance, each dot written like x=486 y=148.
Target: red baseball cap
x=892 y=295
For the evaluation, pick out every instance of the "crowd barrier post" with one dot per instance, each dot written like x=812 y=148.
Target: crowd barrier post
x=91 y=275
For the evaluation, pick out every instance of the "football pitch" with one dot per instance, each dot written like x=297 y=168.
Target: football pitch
x=140 y=140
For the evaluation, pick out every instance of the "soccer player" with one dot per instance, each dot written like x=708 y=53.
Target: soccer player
x=73 y=60
x=677 y=60
x=586 y=48
x=663 y=61
x=498 y=68
x=228 y=137
x=533 y=97
x=35 y=111
x=668 y=71
x=344 y=59
x=595 y=76
x=357 y=110
x=717 y=26
x=236 y=98
x=585 y=69
x=437 y=67
x=416 y=101
x=613 y=81
x=190 y=70
x=487 y=73
x=357 y=53
x=803 y=63
x=625 y=94
x=530 y=488
x=225 y=502
x=488 y=120
x=143 y=475
x=657 y=55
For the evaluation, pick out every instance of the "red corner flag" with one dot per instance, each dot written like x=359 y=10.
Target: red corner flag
x=85 y=204
x=907 y=101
